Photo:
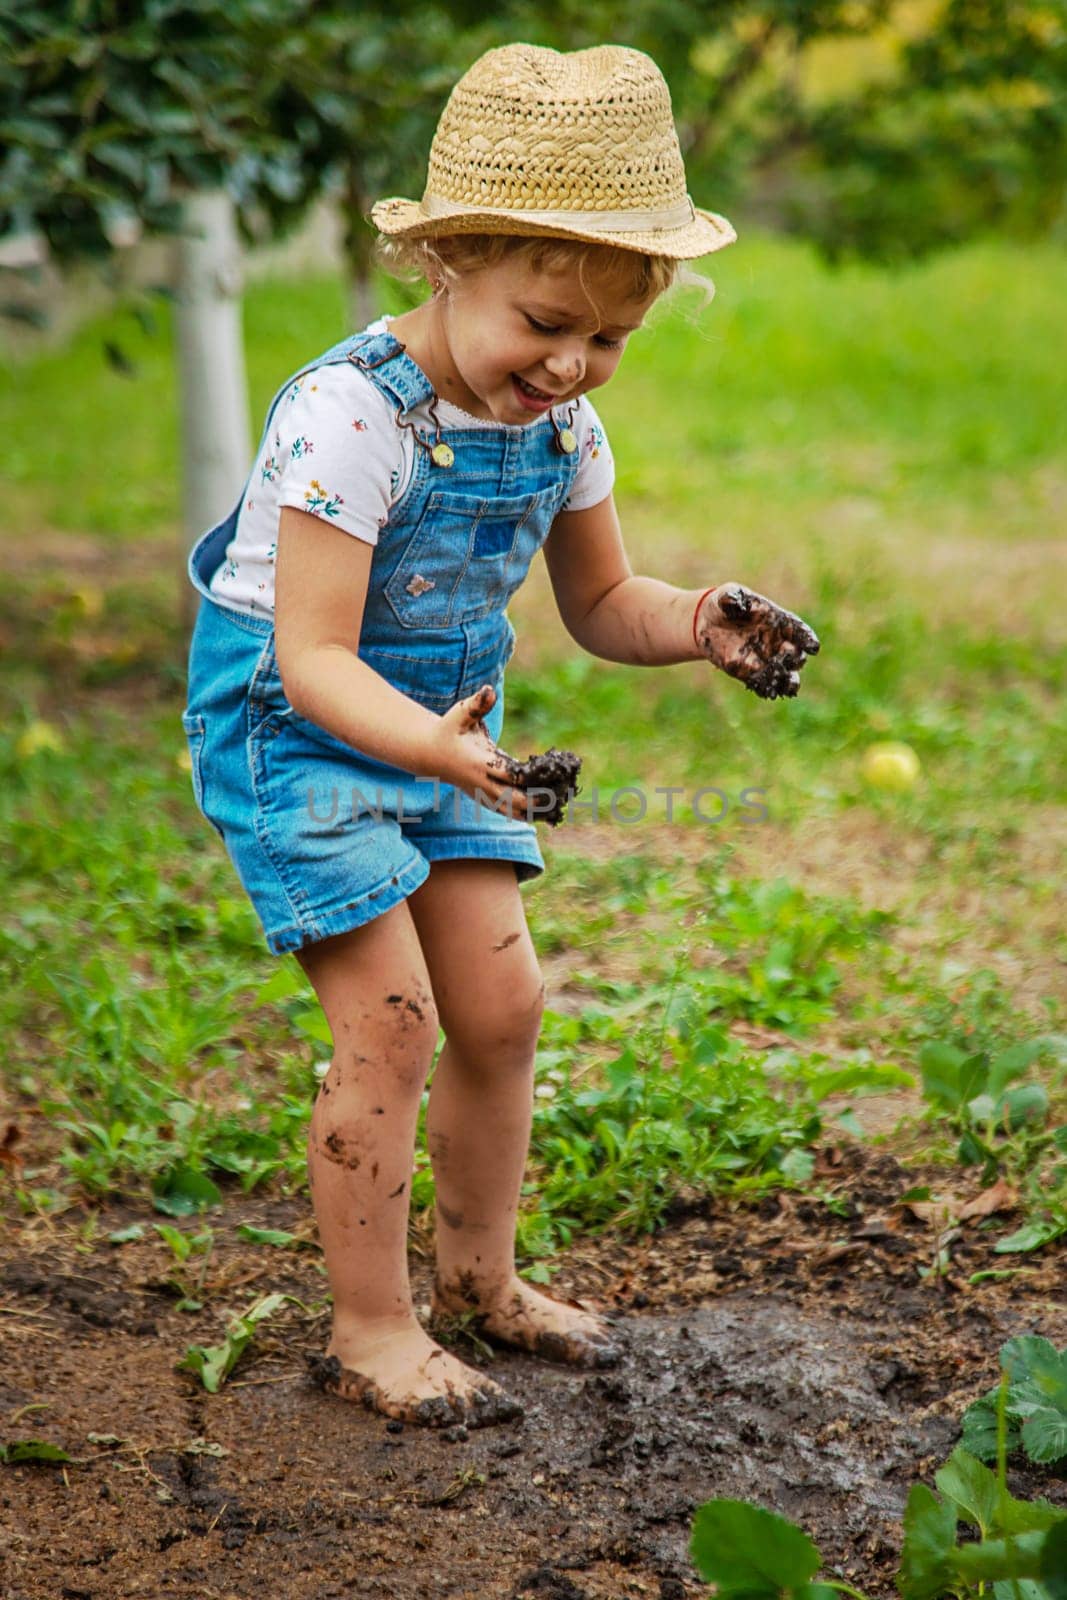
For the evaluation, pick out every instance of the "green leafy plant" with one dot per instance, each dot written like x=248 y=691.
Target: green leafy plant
x=213 y=1364
x=686 y=1110
x=1035 y=1407
x=182 y=1246
x=981 y=1096
x=752 y=1554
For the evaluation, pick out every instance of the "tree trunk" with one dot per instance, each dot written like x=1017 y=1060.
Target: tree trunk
x=216 y=442
x=359 y=239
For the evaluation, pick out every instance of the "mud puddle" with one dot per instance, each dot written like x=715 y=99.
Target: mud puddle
x=758 y=1366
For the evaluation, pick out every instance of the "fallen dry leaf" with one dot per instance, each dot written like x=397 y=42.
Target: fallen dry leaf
x=938 y=1213
x=999 y=1197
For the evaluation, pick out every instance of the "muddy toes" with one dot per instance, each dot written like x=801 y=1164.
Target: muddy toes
x=482 y=1408
x=575 y=1351
x=327 y=1373
x=438 y=1411
x=490 y=1406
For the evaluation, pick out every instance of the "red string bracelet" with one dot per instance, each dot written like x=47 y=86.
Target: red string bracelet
x=696 y=613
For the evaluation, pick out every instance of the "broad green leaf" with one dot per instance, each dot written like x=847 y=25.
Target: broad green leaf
x=311 y=1022
x=972 y=1488
x=276 y=1236
x=32 y=1450
x=1045 y=1436
x=1054 y=1561
x=127 y=1235
x=1035 y=1360
x=1029 y=1237
x=1012 y=1063
x=282 y=984
x=1026 y=1103
x=797 y=1165
x=950 y=1077
x=1019 y=1589
x=926 y=1560
x=744 y=1549
x=183 y=1191
x=1001 y=1558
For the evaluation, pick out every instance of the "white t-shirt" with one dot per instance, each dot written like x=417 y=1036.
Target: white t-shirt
x=334 y=449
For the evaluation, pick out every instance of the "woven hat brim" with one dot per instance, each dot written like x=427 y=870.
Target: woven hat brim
x=705 y=233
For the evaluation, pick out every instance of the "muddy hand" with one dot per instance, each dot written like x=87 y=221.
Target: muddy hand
x=754 y=640
x=467 y=757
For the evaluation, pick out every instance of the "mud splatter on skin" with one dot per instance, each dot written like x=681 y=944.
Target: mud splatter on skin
x=335 y=1149
x=399 y=1190
x=594 y=1351
x=451 y=1219
x=505 y=944
x=556 y=772
x=437 y=1144
x=484 y=1407
x=408 y=1005
x=755 y=641
x=374 y=1173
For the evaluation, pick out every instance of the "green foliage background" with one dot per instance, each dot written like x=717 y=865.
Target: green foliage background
x=881 y=127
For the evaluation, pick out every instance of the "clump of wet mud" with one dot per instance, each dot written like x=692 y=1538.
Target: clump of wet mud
x=550 y=779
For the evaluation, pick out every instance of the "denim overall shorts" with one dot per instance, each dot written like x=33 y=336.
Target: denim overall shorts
x=323 y=837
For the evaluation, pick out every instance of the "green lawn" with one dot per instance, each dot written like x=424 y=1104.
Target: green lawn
x=885 y=452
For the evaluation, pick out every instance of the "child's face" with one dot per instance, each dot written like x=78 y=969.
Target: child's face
x=520 y=341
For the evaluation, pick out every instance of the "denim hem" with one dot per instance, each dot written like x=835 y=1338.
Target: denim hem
x=354 y=914
x=525 y=857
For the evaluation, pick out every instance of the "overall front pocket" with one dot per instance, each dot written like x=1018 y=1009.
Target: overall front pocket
x=467 y=556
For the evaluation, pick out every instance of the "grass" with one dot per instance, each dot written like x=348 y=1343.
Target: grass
x=883 y=451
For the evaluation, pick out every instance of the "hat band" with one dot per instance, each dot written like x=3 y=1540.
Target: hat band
x=588 y=221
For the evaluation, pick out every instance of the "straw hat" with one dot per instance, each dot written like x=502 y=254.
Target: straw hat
x=581 y=145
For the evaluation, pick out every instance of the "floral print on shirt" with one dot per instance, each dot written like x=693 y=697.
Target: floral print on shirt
x=320 y=501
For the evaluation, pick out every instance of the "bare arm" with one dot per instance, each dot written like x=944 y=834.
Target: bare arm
x=604 y=606
x=642 y=621
x=320 y=592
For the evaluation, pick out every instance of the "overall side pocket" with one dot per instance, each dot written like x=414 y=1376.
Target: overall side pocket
x=195 y=733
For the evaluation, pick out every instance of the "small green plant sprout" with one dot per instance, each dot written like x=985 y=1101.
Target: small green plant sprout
x=182 y=1246
x=981 y=1097
x=213 y=1364
x=1035 y=1405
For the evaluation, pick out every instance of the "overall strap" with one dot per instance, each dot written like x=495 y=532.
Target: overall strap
x=383 y=359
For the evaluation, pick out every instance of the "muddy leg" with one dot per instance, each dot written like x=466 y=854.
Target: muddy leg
x=490 y=997
x=376 y=995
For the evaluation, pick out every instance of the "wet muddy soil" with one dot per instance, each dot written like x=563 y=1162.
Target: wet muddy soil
x=550 y=779
x=790 y=1354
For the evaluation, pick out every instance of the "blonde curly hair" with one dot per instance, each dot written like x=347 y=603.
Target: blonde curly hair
x=600 y=269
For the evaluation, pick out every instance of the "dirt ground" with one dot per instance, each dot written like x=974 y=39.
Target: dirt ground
x=792 y=1354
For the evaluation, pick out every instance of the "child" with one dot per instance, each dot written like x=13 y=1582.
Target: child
x=345 y=686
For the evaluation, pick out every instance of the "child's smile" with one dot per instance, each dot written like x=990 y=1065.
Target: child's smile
x=507 y=343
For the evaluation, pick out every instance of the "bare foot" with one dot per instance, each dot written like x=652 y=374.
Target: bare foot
x=516 y=1314
x=407 y=1375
